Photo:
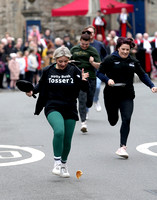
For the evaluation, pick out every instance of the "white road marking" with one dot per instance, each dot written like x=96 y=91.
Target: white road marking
x=36 y=155
x=14 y=154
x=144 y=148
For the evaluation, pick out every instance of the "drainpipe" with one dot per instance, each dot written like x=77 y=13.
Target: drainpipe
x=146 y=15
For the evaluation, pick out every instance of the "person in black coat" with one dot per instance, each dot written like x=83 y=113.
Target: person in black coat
x=154 y=50
x=118 y=69
x=66 y=41
x=2 y=66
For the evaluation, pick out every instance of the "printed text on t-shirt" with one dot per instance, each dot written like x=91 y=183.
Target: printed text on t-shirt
x=61 y=79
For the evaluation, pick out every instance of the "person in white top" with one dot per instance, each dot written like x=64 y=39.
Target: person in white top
x=124 y=23
x=100 y=23
x=32 y=65
x=144 y=54
x=138 y=39
x=20 y=59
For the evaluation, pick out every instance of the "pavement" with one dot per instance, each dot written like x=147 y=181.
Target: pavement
x=26 y=155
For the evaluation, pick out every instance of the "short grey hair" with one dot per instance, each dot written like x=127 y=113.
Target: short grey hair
x=62 y=51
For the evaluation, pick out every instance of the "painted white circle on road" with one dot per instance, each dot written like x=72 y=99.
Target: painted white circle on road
x=36 y=155
x=144 y=148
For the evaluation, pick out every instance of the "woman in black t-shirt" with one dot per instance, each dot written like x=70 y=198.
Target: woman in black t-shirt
x=58 y=90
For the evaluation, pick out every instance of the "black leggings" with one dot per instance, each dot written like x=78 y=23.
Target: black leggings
x=126 y=109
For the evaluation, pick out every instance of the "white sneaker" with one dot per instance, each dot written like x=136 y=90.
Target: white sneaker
x=84 y=127
x=97 y=106
x=122 y=152
x=56 y=169
x=64 y=171
x=87 y=116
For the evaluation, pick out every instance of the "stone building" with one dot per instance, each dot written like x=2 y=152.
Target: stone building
x=14 y=13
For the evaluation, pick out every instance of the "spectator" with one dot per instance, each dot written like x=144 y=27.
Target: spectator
x=2 y=66
x=37 y=73
x=43 y=41
x=50 y=47
x=154 y=50
x=124 y=22
x=100 y=23
x=18 y=46
x=9 y=48
x=4 y=41
x=32 y=65
x=138 y=39
x=144 y=53
x=58 y=42
x=35 y=34
x=14 y=68
x=111 y=46
x=47 y=60
x=48 y=36
x=26 y=54
x=99 y=37
x=66 y=41
x=20 y=59
x=114 y=36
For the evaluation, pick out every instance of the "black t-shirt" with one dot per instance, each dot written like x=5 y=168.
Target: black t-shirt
x=63 y=88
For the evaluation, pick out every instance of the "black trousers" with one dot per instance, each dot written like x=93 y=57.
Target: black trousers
x=1 y=80
x=125 y=107
x=29 y=76
x=86 y=99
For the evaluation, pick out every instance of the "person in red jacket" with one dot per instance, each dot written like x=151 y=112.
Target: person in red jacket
x=100 y=23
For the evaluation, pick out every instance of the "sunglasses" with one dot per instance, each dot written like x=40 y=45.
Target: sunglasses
x=84 y=32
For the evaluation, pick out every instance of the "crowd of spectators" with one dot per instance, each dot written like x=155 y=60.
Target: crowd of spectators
x=145 y=50
x=25 y=60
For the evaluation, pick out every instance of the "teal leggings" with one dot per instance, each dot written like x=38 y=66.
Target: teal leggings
x=63 y=132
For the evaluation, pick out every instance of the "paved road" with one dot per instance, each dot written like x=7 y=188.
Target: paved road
x=26 y=164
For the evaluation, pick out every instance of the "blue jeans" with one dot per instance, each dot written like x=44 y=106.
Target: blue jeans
x=97 y=91
x=86 y=99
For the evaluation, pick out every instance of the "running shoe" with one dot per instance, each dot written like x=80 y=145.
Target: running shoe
x=87 y=116
x=56 y=169
x=97 y=106
x=122 y=152
x=84 y=127
x=64 y=171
